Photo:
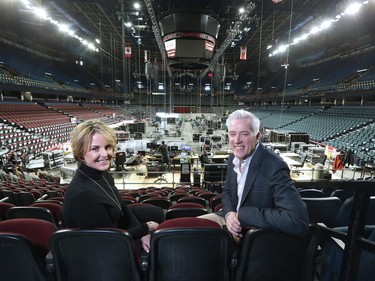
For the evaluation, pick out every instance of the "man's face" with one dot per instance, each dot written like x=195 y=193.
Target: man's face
x=242 y=140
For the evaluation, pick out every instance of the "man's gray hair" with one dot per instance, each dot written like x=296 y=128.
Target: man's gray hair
x=243 y=114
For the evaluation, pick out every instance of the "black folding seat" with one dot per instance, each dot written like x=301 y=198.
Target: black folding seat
x=94 y=255
x=190 y=249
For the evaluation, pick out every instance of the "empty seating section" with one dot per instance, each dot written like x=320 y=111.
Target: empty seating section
x=14 y=138
x=30 y=115
x=335 y=74
x=53 y=74
x=124 y=112
x=342 y=127
x=361 y=140
x=34 y=128
x=109 y=112
x=31 y=128
x=332 y=122
x=25 y=192
x=77 y=111
x=148 y=210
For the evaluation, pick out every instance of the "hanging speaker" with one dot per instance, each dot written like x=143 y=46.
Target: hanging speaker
x=222 y=72
x=155 y=72
x=148 y=70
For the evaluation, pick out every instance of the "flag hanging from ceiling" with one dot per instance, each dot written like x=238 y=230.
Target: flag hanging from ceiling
x=243 y=53
x=128 y=52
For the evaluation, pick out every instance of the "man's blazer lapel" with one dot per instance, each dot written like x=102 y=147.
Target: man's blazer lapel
x=253 y=171
x=232 y=179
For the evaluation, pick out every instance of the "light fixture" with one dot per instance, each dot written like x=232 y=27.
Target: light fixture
x=40 y=12
x=351 y=9
x=137 y=6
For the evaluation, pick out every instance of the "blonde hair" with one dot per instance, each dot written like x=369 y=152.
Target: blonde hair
x=81 y=137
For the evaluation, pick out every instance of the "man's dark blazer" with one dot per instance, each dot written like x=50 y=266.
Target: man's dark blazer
x=270 y=199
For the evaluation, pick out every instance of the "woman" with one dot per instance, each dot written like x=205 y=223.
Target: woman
x=92 y=200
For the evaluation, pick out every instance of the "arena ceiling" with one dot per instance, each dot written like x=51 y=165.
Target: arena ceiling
x=266 y=23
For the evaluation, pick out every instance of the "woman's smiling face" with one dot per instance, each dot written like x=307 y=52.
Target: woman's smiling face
x=99 y=153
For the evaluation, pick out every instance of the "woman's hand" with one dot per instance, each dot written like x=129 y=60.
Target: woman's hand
x=152 y=226
x=146 y=242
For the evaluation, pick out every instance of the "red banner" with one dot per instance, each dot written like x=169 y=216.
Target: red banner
x=243 y=53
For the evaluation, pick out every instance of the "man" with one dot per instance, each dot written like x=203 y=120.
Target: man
x=204 y=158
x=16 y=161
x=258 y=191
x=164 y=154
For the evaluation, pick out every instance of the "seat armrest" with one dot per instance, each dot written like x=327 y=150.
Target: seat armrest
x=144 y=261
x=49 y=263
